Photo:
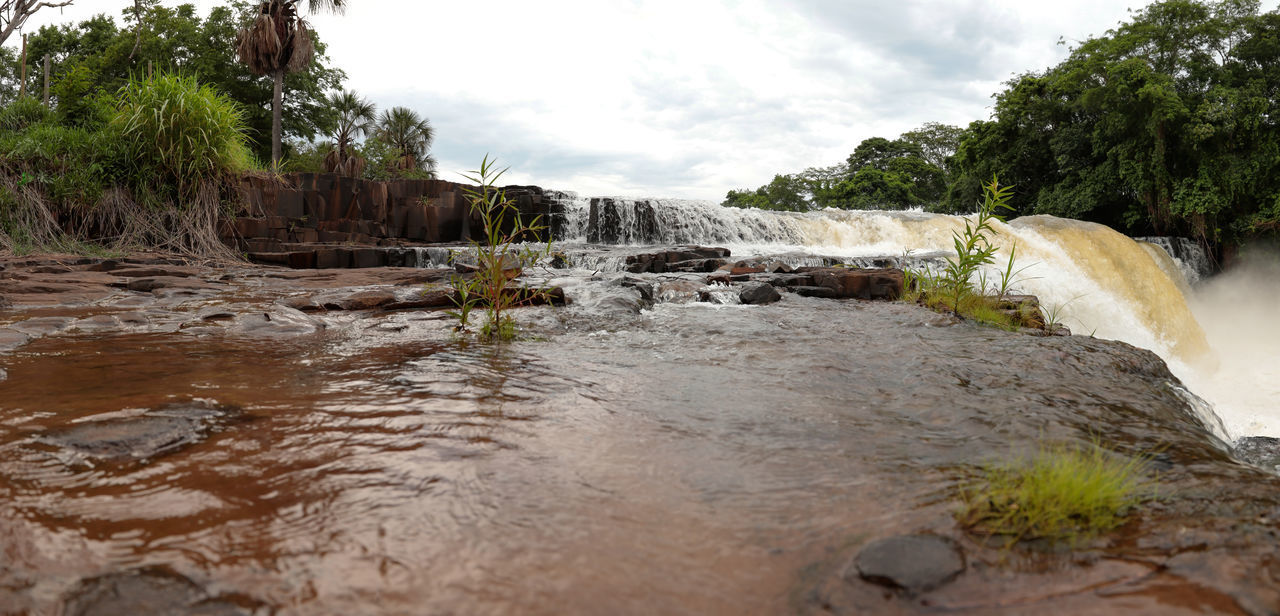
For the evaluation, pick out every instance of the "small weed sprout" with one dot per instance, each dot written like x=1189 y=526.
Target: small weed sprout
x=1062 y=493
x=498 y=257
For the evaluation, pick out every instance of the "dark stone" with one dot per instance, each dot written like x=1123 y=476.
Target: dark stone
x=150 y=591
x=1263 y=451
x=758 y=293
x=103 y=266
x=823 y=292
x=914 y=563
x=157 y=432
x=644 y=287
x=165 y=282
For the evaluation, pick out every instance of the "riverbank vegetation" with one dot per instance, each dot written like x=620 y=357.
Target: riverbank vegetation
x=963 y=287
x=1164 y=125
x=80 y=161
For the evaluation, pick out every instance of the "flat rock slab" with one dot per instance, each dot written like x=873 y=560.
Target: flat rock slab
x=153 y=590
x=914 y=563
x=155 y=433
x=10 y=339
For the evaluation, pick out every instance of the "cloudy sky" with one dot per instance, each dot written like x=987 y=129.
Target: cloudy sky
x=682 y=98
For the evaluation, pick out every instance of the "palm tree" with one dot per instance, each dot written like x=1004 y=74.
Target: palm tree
x=410 y=136
x=279 y=42
x=356 y=117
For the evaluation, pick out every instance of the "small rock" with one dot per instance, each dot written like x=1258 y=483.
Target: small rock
x=758 y=293
x=914 y=563
x=3 y=375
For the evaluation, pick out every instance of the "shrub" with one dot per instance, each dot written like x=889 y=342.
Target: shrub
x=1060 y=493
x=180 y=134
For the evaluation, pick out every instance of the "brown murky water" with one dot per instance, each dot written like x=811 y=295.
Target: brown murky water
x=690 y=459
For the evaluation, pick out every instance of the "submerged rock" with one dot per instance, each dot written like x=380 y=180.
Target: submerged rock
x=152 y=590
x=914 y=563
x=155 y=433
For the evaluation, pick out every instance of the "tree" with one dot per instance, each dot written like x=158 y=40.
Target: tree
x=92 y=59
x=937 y=142
x=1165 y=125
x=409 y=136
x=14 y=13
x=356 y=117
x=279 y=42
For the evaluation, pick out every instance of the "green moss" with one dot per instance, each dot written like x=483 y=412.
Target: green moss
x=1062 y=493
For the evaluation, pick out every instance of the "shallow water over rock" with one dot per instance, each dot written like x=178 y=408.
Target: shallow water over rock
x=627 y=457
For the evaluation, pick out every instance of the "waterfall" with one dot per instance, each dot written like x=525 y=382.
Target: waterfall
x=1093 y=279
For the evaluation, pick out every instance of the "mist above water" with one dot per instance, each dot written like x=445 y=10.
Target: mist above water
x=1239 y=311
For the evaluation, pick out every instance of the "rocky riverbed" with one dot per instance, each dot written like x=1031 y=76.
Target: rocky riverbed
x=248 y=440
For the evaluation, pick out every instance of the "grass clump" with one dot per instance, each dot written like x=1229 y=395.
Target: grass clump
x=1062 y=493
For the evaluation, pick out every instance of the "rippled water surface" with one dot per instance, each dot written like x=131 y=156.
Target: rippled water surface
x=688 y=459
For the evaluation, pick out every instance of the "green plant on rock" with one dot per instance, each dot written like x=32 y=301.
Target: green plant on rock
x=1062 y=493
x=973 y=248
x=500 y=257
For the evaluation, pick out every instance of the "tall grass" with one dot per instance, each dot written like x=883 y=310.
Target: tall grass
x=181 y=134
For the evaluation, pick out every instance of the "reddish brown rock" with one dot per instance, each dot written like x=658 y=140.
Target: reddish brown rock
x=859 y=283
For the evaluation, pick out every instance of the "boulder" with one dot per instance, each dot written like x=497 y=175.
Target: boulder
x=758 y=293
x=913 y=563
x=859 y=283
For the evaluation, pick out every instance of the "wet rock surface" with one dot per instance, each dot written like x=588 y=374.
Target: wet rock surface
x=142 y=437
x=1261 y=451
x=681 y=456
x=152 y=591
x=914 y=563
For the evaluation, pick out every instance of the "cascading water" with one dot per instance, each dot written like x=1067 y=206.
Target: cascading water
x=1089 y=277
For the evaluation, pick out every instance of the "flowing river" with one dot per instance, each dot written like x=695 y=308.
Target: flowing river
x=627 y=456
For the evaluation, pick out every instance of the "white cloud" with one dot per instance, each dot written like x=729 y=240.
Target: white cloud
x=683 y=98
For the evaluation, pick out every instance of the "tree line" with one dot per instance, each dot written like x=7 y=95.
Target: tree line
x=1168 y=124
x=262 y=55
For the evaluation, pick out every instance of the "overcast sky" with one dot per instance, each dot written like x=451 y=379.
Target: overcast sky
x=681 y=98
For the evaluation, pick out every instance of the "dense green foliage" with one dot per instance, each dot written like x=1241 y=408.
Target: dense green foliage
x=1165 y=125
x=96 y=58
x=907 y=172
x=148 y=166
